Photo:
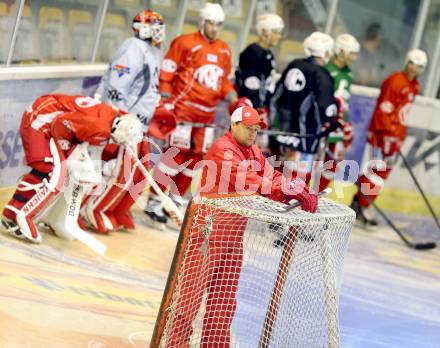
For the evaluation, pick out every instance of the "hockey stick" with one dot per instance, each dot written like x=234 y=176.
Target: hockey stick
x=431 y=210
x=174 y=212
x=263 y=131
x=412 y=245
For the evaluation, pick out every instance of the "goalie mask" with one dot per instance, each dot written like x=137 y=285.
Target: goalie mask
x=127 y=130
x=149 y=25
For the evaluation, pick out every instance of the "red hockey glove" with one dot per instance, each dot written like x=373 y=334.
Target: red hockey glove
x=163 y=121
x=341 y=104
x=303 y=194
x=348 y=134
x=243 y=101
x=390 y=145
x=264 y=114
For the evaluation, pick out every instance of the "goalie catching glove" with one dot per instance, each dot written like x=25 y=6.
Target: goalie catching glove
x=127 y=130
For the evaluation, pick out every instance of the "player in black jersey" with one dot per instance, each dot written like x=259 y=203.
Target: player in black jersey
x=304 y=103
x=255 y=75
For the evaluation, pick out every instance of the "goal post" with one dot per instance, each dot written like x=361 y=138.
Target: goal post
x=230 y=284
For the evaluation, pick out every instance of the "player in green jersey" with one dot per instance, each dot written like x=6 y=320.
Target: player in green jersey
x=346 y=52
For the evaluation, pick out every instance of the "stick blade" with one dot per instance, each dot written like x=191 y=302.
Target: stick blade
x=425 y=246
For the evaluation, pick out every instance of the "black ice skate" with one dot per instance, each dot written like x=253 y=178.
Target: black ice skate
x=361 y=215
x=11 y=227
x=155 y=211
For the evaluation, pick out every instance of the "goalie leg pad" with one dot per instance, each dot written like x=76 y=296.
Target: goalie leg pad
x=109 y=211
x=95 y=208
x=34 y=192
x=134 y=189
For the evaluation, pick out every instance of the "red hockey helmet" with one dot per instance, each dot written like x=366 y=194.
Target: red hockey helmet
x=149 y=25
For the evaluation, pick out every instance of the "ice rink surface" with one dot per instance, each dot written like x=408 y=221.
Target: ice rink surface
x=390 y=294
x=59 y=294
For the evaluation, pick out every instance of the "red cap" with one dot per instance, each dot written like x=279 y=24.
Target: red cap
x=248 y=116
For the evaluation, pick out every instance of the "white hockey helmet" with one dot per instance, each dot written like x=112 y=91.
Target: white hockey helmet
x=269 y=22
x=319 y=45
x=149 y=25
x=127 y=130
x=418 y=57
x=346 y=43
x=212 y=12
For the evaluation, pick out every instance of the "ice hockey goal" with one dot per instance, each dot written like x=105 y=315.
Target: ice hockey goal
x=246 y=273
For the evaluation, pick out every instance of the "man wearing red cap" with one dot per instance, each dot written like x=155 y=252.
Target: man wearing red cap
x=247 y=170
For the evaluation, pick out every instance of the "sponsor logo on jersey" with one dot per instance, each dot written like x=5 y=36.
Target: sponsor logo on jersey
x=36 y=200
x=63 y=144
x=121 y=70
x=288 y=140
x=252 y=82
x=114 y=95
x=67 y=125
x=404 y=112
x=295 y=80
x=386 y=107
x=209 y=76
x=168 y=65
x=212 y=58
x=86 y=102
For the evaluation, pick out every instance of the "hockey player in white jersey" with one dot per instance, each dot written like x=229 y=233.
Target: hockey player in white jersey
x=132 y=79
x=131 y=84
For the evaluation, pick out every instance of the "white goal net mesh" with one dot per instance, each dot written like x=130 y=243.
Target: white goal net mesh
x=249 y=274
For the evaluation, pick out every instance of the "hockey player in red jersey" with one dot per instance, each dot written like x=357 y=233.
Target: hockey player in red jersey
x=50 y=129
x=387 y=129
x=247 y=168
x=194 y=77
